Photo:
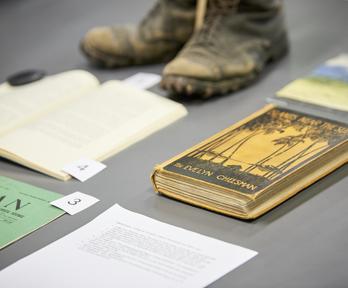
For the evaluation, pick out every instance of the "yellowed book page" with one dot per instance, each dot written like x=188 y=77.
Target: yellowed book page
x=21 y=104
x=325 y=86
x=5 y=87
x=98 y=124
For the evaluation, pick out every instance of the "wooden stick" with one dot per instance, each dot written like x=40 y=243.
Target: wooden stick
x=200 y=13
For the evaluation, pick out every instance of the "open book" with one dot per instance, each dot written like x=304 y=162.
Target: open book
x=47 y=124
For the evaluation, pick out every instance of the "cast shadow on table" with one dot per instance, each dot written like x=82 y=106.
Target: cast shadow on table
x=290 y=204
x=304 y=196
x=19 y=171
x=30 y=176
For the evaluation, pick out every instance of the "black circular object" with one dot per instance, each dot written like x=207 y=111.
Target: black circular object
x=25 y=77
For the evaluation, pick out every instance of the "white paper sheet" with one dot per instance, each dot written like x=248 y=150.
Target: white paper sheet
x=120 y=248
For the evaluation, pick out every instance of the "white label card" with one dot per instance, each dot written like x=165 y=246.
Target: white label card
x=143 y=80
x=75 y=202
x=83 y=168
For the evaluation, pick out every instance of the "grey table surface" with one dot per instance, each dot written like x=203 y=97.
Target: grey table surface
x=301 y=243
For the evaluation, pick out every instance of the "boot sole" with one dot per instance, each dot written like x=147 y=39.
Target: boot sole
x=205 y=88
x=113 y=61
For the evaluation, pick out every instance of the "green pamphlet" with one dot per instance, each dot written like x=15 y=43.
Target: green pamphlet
x=23 y=209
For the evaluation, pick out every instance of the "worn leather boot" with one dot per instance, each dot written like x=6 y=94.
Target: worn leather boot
x=157 y=38
x=232 y=46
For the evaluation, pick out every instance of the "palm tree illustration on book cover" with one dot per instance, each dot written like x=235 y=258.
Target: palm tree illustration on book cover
x=254 y=155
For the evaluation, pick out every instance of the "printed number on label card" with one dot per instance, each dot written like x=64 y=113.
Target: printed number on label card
x=83 y=168
x=75 y=202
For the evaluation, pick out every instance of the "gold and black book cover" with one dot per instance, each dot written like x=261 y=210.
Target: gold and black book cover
x=260 y=150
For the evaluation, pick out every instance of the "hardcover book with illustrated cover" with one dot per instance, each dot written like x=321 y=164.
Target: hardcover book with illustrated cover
x=256 y=164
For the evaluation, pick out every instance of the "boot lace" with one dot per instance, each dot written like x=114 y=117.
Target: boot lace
x=224 y=6
x=216 y=10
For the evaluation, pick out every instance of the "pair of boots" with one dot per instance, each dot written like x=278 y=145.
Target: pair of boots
x=225 y=53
